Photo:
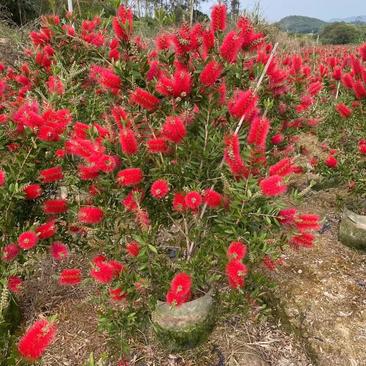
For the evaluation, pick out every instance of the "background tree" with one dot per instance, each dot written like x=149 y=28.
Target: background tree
x=340 y=33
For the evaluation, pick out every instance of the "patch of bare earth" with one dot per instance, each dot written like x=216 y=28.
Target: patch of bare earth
x=322 y=291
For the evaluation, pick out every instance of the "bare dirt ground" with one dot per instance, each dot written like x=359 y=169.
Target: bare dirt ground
x=322 y=292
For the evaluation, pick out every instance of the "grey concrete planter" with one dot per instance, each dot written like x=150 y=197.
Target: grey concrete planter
x=186 y=326
x=352 y=230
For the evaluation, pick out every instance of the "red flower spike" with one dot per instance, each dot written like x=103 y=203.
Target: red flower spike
x=236 y=271
x=129 y=177
x=2 y=177
x=283 y=168
x=10 y=252
x=193 y=200
x=51 y=175
x=237 y=250
x=306 y=222
x=27 y=240
x=272 y=186
x=14 y=284
x=343 y=110
x=218 y=17
x=128 y=141
x=174 y=129
x=90 y=215
x=70 y=277
x=55 y=207
x=144 y=99
x=211 y=73
x=133 y=248
x=59 y=251
x=287 y=216
x=212 y=198
x=159 y=189
x=179 y=203
x=117 y=294
x=180 y=289
x=157 y=145
x=36 y=339
x=46 y=230
x=331 y=162
x=305 y=240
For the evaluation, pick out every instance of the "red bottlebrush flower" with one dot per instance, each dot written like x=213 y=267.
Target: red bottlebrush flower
x=32 y=191
x=2 y=177
x=232 y=156
x=9 y=252
x=55 y=85
x=362 y=147
x=315 y=88
x=218 y=17
x=180 y=289
x=117 y=294
x=193 y=200
x=14 y=284
x=347 y=81
x=118 y=267
x=129 y=177
x=306 y=222
x=174 y=129
x=70 y=277
x=130 y=201
x=46 y=230
x=159 y=189
x=236 y=271
x=237 y=250
x=104 y=273
x=55 y=207
x=272 y=186
x=305 y=240
x=90 y=215
x=230 y=47
x=181 y=84
x=128 y=141
x=106 y=78
x=51 y=175
x=243 y=104
x=133 y=248
x=343 y=110
x=277 y=139
x=123 y=23
x=145 y=99
x=157 y=145
x=283 y=168
x=287 y=216
x=212 y=198
x=258 y=132
x=142 y=218
x=179 y=203
x=211 y=73
x=59 y=251
x=36 y=339
x=331 y=162
x=27 y=240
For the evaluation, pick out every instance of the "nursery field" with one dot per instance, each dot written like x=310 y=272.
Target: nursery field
x=197 y=198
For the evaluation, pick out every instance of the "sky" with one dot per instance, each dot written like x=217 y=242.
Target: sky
x=274 y=10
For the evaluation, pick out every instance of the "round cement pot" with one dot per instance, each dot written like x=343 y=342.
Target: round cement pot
x=352 y=230
x=185 y=326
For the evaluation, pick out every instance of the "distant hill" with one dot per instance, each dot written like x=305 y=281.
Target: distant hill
x=358 y=19
x=301 y=24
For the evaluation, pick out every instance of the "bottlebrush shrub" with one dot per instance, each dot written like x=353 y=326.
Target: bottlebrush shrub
x=109 y=147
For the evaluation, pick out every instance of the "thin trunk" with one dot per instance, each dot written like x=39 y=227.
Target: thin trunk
x=191 y=11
